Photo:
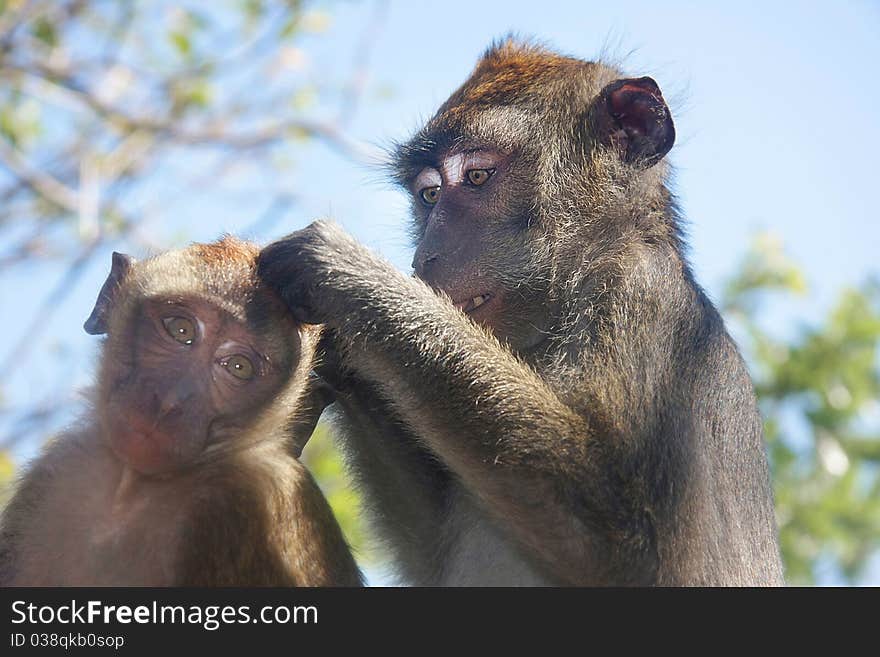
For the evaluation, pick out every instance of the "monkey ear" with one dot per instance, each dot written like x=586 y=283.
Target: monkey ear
x=96 y=324
x=634 y=119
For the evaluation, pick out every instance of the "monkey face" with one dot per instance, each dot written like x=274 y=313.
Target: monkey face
x=472 y=220
x=193 y=374
x=519 y=173
x=200 y=357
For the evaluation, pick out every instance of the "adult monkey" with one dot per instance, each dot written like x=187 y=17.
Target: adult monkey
x=569 y=408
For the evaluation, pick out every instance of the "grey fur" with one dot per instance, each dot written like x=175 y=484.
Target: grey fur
x=606 y=432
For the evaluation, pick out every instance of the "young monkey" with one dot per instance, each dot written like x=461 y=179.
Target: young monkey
x=183 y=473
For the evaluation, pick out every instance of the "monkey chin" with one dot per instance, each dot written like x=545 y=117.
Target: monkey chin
x=148 y=449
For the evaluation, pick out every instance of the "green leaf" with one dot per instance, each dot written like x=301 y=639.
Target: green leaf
x=45 y=31
x=181 y=42
x=819 y=394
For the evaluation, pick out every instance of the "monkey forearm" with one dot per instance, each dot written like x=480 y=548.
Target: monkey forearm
x=487 y=416
x=402 y=331
x=474 y=404
x=534 y=468
x=400 y=335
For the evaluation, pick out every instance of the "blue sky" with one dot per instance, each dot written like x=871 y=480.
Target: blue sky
x=775 y=107
x=776 y=110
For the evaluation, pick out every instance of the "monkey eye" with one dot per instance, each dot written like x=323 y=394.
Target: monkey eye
x=479 y=176
x=430 y=195
x=239 y=366
x=181 y=329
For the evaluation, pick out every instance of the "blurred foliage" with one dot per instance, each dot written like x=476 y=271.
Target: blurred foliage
x=7 y=473
x=819 y=391
x=324 y=461
x=97 y=97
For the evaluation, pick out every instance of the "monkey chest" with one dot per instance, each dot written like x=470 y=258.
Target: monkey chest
x=93 y=546
x=479 y=553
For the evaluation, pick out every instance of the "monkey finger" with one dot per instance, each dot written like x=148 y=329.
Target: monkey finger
x=276 y=264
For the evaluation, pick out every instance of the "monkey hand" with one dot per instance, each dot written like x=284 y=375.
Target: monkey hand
x=315 y=270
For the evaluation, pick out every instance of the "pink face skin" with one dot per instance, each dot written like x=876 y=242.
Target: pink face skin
x=462 y=197
x=193 y=371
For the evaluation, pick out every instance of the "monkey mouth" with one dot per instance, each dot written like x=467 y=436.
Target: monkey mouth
x=470 y=305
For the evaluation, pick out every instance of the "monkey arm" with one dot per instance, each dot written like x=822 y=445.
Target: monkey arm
x=265 y=523
x=400 y=480
x=315 y=548
x=488 y=417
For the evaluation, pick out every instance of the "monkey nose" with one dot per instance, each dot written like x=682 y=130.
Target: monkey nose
x=171 y=400
x=420 y=263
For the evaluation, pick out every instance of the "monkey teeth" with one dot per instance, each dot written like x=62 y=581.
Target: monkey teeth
x=475 y=302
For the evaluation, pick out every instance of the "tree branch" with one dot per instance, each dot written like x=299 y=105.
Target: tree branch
x=41 y=183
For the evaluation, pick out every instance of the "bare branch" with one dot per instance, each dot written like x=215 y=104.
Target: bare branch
x=217 y=134
x=20 y=350
x=40 y=182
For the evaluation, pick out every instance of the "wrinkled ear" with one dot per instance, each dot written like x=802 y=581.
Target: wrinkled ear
x=631 y=116
x=96 y=324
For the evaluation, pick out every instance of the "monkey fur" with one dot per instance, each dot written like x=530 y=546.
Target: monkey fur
x=552 y=399
x=183 y=472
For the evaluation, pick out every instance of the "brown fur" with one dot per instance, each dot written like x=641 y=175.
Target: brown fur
x=505 y=75
x=239 y=510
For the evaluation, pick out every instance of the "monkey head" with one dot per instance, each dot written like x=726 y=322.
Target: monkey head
x=535 y=159
x=196 y=350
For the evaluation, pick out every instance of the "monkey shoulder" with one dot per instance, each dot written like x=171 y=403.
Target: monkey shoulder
x=56 y=468
x=262 y=521
x=715 y=374
x=74 y=548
